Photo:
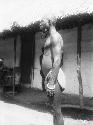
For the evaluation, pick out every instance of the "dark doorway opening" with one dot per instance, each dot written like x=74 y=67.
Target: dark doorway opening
x=27 y=56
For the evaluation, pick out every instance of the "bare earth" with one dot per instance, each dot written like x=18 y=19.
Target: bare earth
x=12 y=114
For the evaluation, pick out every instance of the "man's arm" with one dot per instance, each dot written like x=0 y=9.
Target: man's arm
x=55 y=68
x=58 y=57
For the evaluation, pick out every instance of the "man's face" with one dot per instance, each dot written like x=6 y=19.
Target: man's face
x=44 y=27
x=44 y=31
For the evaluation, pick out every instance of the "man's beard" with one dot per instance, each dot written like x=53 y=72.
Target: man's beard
x=44 y=34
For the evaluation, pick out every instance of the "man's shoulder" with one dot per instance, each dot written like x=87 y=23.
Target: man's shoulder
x=58 y=35
x=59 y=38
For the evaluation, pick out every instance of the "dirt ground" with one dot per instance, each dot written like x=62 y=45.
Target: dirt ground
x=29 y=108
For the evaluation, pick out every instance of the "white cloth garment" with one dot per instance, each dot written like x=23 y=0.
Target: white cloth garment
x=61 y=78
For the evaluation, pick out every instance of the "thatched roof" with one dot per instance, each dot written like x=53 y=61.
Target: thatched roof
x=18 y=16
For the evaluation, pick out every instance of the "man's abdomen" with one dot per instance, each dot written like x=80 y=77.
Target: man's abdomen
x=46 y=64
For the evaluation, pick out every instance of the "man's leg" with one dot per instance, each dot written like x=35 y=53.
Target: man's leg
x=55 y=100
x=58 y=116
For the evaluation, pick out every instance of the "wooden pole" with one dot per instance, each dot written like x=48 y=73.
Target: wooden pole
x=79 y=65
x=14 y=66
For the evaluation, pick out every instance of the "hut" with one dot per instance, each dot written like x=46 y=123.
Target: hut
x=75 y=24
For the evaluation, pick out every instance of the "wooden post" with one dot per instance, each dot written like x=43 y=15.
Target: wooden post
x=79 y=65
x=14 y=65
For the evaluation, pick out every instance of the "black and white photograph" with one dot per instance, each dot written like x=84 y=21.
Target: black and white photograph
x=46 y=62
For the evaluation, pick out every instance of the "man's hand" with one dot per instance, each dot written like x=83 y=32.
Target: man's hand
x=50 y=89
x=49 y=84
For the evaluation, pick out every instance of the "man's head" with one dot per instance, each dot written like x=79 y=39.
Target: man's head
x=46 y=24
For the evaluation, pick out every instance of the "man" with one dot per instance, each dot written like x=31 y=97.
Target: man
x=53 y=50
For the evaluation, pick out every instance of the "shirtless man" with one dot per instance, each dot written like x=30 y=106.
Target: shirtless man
x=54 y=44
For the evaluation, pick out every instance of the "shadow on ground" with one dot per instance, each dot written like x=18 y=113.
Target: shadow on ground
x=76 y=113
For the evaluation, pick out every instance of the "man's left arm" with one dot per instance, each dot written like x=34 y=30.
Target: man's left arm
x=55 y=69
x=57 y=59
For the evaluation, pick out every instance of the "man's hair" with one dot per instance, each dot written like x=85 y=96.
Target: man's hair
x=46 y=23
x=52 y=22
